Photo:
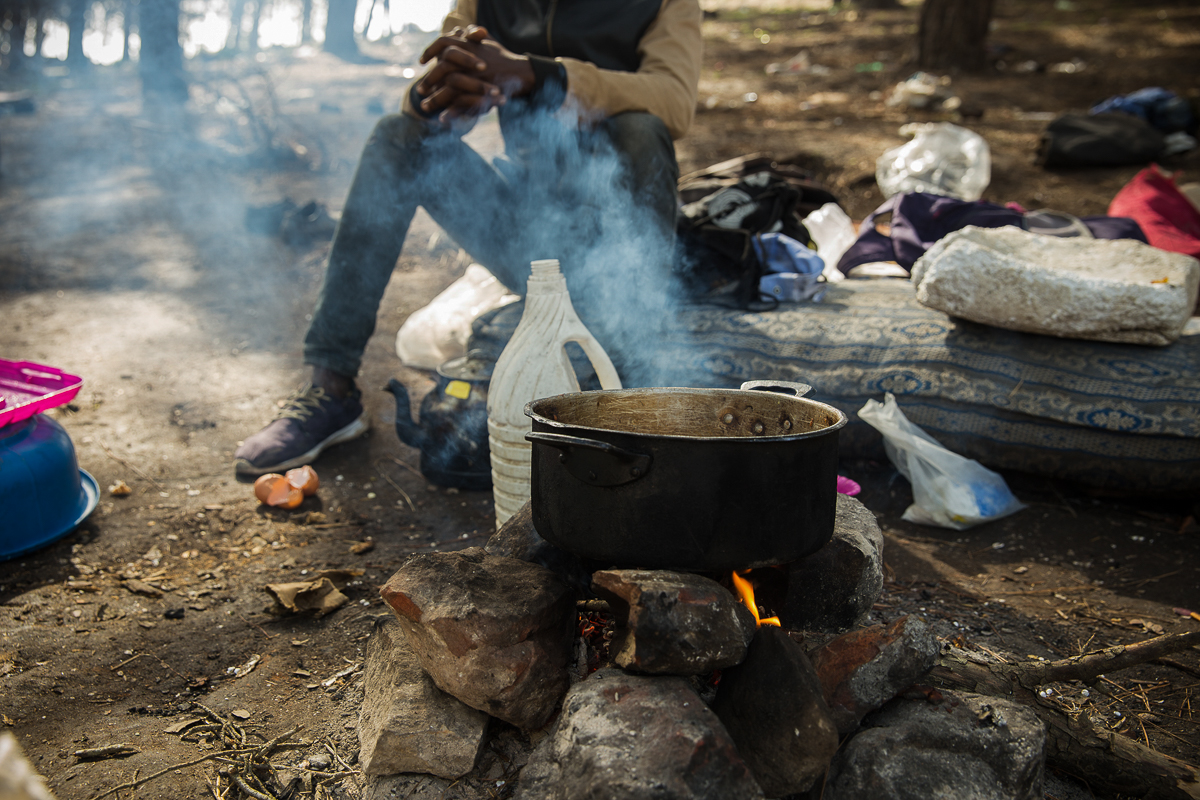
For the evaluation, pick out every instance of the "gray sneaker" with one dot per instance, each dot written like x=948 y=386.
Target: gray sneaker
x=310 y=421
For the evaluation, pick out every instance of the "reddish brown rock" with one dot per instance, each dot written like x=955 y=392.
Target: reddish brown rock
x=406 y=723
x=861 y=670
x=673 y=623
x=631 y=737
x=772 y=706
x=495 y=632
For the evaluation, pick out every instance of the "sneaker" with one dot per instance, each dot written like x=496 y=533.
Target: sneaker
x=310 y=421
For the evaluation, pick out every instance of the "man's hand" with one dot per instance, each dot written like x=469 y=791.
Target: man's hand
x=474 y=73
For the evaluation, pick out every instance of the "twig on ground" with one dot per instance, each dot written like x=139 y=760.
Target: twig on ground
x=396 y=486
x=127 y=465
x=101 y=753
x=256 y=625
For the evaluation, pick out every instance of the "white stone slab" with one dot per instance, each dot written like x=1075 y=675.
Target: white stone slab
x=1107 y=290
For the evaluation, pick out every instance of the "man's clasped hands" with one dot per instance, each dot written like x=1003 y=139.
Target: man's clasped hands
x=473 y=74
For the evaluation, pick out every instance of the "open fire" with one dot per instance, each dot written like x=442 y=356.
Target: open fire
x=745 y=591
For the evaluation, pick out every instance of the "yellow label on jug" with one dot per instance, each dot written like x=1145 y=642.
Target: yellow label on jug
x=459 y=389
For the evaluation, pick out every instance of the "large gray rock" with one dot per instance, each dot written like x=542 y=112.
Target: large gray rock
x=517 y=538
x=861 y=670
x=836 y=586
x=958 y=745
x=772 y=706
x=406 y=723
x=673 y=623
x=495 y=632
x=629 y=737
x=1112 y=291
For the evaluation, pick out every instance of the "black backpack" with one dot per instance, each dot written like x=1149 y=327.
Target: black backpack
x=725 y=207
x=1103 y=140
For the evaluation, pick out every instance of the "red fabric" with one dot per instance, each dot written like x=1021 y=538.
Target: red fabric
x=1167 y=217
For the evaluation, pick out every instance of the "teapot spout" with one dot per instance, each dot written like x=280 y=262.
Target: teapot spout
x=406 y=429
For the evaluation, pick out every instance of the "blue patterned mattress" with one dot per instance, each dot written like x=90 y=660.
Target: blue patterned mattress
x=1108 y=415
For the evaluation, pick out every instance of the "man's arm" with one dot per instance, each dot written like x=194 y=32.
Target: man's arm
x=666 y=83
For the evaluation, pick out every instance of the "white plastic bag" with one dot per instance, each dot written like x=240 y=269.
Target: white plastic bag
x=833 y=233
x=949 y=491
x=942 y=158
x=438 y=332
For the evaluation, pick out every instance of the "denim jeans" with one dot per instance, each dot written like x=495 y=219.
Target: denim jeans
x=602 y=200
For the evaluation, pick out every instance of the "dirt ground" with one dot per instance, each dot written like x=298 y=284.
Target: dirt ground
x=125 y=258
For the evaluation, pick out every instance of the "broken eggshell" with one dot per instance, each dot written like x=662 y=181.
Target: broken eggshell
x=286 y=491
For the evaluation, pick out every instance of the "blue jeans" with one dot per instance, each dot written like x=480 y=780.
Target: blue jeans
x=600 y=200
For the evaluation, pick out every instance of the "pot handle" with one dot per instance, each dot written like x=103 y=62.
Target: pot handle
x=592 y=462
x=782 y=387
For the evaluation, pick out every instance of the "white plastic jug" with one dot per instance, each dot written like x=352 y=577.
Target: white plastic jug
x=534 y=365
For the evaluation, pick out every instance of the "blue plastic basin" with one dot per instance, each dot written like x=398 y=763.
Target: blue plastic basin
x=44 y=495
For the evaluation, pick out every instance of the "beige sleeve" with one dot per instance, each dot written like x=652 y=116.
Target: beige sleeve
x=665 y=85
x=464 y=13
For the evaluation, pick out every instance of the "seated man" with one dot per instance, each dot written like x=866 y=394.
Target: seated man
x=591 y=96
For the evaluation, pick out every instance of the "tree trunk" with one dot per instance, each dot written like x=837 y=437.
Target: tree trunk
x=160 y=61
x=952 y=33
x=234 y=40
x=339 y=30
x=76 y=25
x=252 y=36
x=306 y=12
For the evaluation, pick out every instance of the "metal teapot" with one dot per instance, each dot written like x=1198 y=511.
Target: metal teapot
x=452 y=433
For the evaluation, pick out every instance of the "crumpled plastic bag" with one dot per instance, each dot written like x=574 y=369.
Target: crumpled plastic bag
x=433 y=335
x=833 y=232
x=942 y=158
x=949 y=490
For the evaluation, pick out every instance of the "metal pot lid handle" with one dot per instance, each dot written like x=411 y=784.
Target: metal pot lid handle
x=592 y=462
x=782 y=387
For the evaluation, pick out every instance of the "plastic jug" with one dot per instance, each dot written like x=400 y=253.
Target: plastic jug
x=534 y=365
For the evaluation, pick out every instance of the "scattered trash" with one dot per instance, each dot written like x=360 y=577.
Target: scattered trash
x=244 y=669
x=847 y=487
x=286 y=491
x=923 y=91
x=874 y=66
x=318 y=596
x=949 y=491
x=799 y=64
x=120 y=489
x=1068 y=67
x=833 y=233
x=240 y=713
x=142 y=588
x=942 y=158
x=750 y=97
x=438 y=332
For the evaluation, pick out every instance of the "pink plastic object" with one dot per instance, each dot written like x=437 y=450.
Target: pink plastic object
x=847 y=486
x=27 y=389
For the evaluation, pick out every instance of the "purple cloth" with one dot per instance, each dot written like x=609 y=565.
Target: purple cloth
x=919 y=219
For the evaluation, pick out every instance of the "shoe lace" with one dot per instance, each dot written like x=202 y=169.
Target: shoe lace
x=301 y=404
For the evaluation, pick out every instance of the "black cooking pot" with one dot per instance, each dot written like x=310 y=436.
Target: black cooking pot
x=706 y=480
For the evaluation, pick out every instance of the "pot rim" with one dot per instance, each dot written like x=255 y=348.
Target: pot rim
x=842 y=419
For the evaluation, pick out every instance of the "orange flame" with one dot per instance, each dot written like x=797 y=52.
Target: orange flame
x=746 y=592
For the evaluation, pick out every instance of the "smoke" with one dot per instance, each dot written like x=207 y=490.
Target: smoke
x=565 y=190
